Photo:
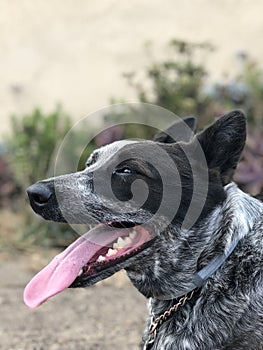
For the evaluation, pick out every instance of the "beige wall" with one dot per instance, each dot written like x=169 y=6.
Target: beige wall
x=75 y=52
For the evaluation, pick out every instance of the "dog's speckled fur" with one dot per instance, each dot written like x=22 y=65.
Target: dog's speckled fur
x=226 y=313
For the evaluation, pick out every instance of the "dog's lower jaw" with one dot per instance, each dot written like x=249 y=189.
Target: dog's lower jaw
x=138 y=280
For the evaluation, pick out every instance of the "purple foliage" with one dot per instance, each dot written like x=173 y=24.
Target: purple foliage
x=249 y=174
x=110 y=134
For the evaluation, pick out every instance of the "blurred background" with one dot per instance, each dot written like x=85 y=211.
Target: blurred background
x=61 y=61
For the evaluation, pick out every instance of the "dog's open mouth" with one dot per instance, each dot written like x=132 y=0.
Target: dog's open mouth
x=101 y=249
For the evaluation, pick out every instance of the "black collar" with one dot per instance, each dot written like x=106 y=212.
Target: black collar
x=202 y=275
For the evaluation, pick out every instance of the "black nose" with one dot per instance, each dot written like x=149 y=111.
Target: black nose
x=39 y=194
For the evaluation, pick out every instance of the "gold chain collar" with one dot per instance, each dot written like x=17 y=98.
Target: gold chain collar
x=158 y=321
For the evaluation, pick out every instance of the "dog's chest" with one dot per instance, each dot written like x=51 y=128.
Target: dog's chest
x=162 y=335
x=162 y=338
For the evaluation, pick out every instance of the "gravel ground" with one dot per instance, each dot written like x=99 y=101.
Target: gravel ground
x=109 y=315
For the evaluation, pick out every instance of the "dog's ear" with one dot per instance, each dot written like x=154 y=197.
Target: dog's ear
x=223 y=142
x=181 y=130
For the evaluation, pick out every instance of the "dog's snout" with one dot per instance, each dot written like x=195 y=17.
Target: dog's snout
x=39 y=194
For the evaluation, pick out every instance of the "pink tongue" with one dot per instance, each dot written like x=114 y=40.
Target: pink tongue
x=64 y=268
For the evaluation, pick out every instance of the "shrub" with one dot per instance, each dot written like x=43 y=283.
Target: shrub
x=179 y=83
x=34 y=138
x=31 y=145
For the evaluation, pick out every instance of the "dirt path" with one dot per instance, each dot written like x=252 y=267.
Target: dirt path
x=107 y=316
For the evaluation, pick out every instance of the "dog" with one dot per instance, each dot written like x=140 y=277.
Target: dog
x=202 y=272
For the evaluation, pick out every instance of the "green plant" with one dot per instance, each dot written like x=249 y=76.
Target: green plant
x=33 y=141
x=243 y=91
x=179 y=83
x=31 y=145
x=176 y=83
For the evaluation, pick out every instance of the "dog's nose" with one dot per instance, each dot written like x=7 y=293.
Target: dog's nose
x=39 y=194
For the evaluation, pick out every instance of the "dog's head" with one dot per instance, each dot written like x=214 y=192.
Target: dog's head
x=140 y=193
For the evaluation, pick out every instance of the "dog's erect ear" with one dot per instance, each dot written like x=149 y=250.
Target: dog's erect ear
x=223 y=142
x=181 y=130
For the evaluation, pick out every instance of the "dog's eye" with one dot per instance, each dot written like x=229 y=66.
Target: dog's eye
x=123 y=170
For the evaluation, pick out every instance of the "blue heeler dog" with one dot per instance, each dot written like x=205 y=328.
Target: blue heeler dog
x=201 y=272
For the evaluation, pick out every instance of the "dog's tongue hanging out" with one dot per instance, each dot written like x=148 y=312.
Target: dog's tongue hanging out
x=61 y=272
x=64 y=268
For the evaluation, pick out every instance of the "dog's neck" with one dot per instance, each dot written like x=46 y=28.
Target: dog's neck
x=243 y=212
x=225 y=227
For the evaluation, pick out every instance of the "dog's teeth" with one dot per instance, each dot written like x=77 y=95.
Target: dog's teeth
x=101 y=258
x=111 y=252
x=128 y=241
x=123 y=242
x=132 y=234
x=80 y=272
x=120 y=242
